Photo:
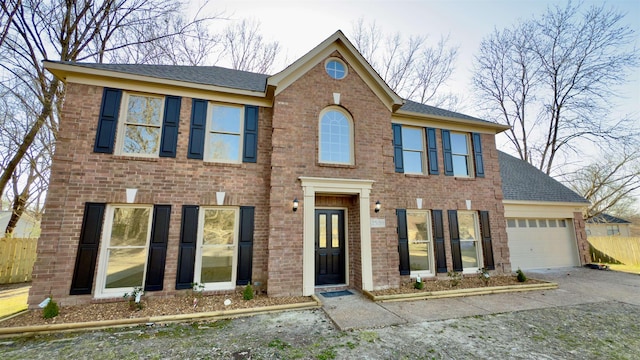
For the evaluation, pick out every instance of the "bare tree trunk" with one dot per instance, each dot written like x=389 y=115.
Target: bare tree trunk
x=47 y=108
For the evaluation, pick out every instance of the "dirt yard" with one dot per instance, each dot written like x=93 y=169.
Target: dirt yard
x=606 y=330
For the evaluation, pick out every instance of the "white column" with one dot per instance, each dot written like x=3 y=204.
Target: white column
x=308 y=245
x=365 y=240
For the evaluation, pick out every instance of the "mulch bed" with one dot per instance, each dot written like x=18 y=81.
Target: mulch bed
x=469 y=282
x=152 y=306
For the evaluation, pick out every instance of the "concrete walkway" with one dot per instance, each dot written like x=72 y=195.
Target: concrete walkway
x=576 y=286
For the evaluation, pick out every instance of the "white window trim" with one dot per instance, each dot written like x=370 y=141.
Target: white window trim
x=469 y=155
x=227 y=285
x=351 y=136
x=423 y=151
x=477 y=240
x=101 y=292
x=122 y=125
x=208 y=131
x=431 y=272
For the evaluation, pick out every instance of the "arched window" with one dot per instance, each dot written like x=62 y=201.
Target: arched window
x=336 y=137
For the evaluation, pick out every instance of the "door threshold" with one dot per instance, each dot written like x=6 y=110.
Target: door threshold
x=331 y=287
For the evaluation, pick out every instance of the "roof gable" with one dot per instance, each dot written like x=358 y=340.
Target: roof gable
x=522 y=181
x=336 y=42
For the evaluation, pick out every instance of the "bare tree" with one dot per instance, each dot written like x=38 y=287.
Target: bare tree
x=74 y=31
x=411 y=67
x=552 y=79
x=247 y=49
x=609 y=184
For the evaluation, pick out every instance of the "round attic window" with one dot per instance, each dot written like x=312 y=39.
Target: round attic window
x=336 y=69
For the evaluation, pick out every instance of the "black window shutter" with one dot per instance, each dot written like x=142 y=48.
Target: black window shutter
x=85 y=266
x=454 y=233
x=250 y=151
x=446 y=149
x=477 y=154
x=397 y=147
x=245 y=245
x=187 y=250
x=170 y=123
x=198 y=129
x=487 y=249
x=438 y=234
x=108 y=121
x=432 y=151
x=158 y=247
x=403 y=242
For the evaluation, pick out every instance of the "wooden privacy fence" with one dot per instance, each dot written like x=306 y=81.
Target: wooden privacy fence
x=17 y=256
x=615 y=249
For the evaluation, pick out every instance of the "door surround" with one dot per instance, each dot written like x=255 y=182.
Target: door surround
x=312 y=186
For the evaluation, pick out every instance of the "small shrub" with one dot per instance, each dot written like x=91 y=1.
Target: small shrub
x=418 y=285
x=454 y=278
x=51 y=310
x=521 y=276
x=132 y=297
x=247 y=294
x=483 y=274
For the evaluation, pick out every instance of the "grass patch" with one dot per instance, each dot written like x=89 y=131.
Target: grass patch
x=13 y=304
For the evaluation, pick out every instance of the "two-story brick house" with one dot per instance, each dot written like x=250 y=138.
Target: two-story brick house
x=319 y=175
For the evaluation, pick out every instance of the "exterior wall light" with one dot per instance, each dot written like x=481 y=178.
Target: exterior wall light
x=295 y=204
x=378 y=206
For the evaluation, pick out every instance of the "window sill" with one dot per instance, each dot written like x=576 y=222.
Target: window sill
x=222 y=164
x=136 y=158
x=344 y=166
x=416 y=175
x=464 y=178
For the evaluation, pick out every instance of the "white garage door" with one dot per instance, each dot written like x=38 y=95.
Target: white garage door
x=541 y=243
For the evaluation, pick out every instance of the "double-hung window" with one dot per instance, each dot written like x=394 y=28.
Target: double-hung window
x=216 y=255
x=224 y=134
x=124 y=252
x=336 y=138
x=141 y=117
x=461 y=154
x=413 y=149
x=420 y=243
x=613 y=230
x=470 y=246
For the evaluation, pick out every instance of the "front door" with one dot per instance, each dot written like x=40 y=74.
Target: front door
x=329 y=247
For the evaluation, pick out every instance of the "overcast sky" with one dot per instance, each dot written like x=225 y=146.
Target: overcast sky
x=300 y=25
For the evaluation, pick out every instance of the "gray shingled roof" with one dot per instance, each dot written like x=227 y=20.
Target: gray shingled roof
x=206 y=75
x=236 y=79
x=523 y=181
x=416 y=107
x=607 y=219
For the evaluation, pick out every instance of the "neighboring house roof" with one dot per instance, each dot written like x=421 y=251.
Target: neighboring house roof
x=522 y=181
x=206 y=75
x=607 y=219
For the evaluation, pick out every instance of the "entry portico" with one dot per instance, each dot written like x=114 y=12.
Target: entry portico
x=331 y=186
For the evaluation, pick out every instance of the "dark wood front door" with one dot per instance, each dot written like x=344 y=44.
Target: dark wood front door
x=329 y=247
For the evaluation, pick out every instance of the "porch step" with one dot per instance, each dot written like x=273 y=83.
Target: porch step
x=330 y=288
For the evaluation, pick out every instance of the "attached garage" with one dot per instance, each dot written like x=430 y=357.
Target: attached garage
x=544 y=221
x=541 y=243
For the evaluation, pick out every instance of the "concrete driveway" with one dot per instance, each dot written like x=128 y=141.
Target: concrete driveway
x=576 y=286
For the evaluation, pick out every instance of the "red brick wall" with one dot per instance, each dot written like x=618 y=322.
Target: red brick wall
x=79 y=175
x=295 y=154
x=288 y=149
